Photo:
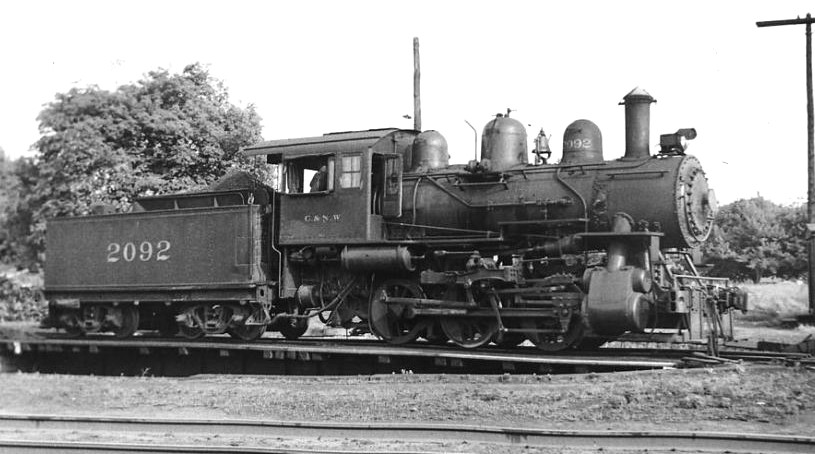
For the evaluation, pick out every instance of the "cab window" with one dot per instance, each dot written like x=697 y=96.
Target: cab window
x=351 y=176
x=309 y=175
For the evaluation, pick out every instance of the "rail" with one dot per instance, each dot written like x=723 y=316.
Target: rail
x=373 y=432
x=317 y=349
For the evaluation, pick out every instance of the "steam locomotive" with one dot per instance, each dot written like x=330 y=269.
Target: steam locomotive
x=376 y=231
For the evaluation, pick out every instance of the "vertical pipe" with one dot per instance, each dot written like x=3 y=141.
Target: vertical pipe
x=417 y=102
x=475 y=141
x=637 y=123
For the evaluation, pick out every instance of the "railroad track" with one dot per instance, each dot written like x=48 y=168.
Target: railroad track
x=371 y=346
x=325 y=350
x=106 y=355
x=373 y=433
x=629 y=348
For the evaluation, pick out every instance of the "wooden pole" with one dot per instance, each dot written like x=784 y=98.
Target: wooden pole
x=811 y=167
x=810 y=147
x=417 y=101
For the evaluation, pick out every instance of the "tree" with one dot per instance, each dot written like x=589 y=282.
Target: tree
x=8 y=197
x=165 y=133
x=6 y=183
x=755 y=238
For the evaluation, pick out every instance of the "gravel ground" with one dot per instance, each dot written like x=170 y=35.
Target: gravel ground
x=760 y=399
x=757 y=399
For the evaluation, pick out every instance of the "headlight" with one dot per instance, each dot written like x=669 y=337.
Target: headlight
x=677 y=142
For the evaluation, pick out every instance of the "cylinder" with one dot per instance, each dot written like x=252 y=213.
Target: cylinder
x=637 y=124
x=382 y=259
x=582 y=143
x=429 y=152
x=613 y=306
x=503 y=143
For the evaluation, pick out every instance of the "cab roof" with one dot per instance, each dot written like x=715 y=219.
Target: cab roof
x=330 y=143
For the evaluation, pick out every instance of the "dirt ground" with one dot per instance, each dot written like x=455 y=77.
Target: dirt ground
x=741 y=398
x=758 y=399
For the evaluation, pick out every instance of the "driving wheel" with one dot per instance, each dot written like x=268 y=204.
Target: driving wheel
x=553 y=341
x=390 y=321
x=472 y=332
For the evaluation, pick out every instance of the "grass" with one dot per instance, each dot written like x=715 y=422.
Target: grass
x=770 y=302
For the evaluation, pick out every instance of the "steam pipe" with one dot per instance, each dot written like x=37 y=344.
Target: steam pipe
x=617 y=250
x=475 y=133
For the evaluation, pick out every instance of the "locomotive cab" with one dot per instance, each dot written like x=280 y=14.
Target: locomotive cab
x=338 y=188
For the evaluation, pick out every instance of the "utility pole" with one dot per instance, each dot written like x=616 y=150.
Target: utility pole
x=810 y=156
x=417 y=100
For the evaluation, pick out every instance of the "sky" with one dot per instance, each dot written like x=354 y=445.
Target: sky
x=312 y=67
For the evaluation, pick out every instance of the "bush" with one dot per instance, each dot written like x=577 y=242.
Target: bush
x=756 y=238
x=20 y=303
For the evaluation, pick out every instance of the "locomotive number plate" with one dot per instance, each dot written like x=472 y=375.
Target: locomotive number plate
x=577 y=143
x=144 y=252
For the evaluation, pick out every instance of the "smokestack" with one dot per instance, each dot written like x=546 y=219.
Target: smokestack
x=637 y=123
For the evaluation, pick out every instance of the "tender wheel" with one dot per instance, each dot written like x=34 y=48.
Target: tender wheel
x=554 y=342
x=471 y=332
x=252 y=323
x=390 y=321
x=190 y=332
x=188 y=325
x=91 y=318
x=247 y=332
x=123 y=319
x=207 y=318
x=70 y=321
